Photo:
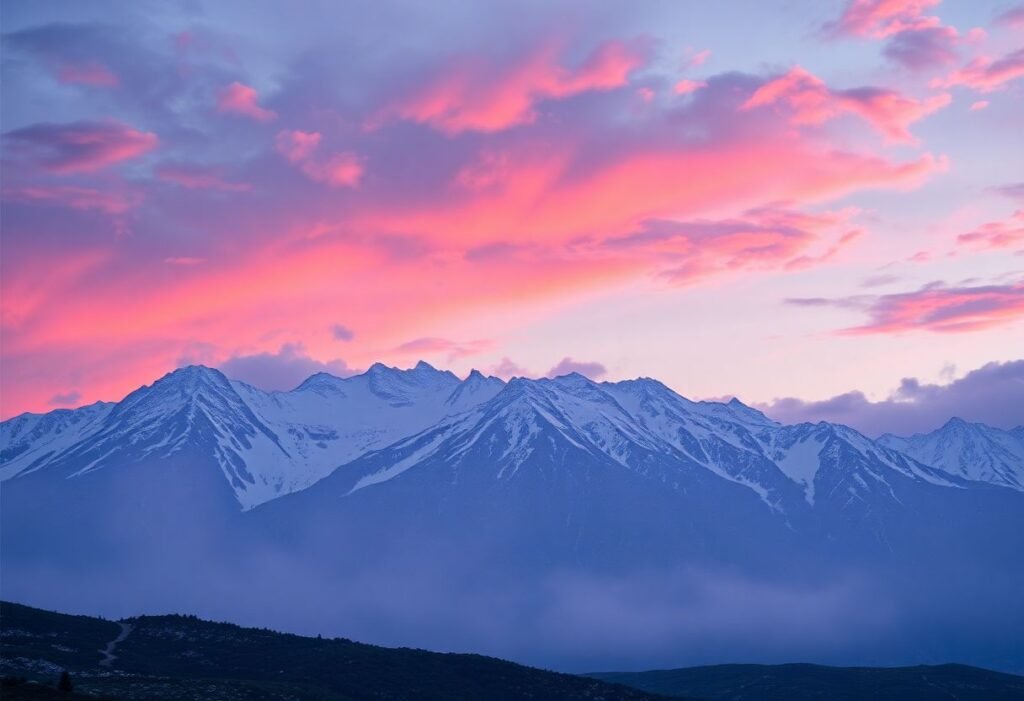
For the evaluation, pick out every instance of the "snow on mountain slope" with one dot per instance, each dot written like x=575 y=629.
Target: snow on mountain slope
x=267 y=444
x=971 y=451
x=30 y=441
x=644 y=427
x=329 y=421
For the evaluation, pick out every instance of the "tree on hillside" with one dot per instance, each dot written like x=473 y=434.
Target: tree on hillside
x=65 y=682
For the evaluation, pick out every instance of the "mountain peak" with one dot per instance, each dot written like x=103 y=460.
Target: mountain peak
x=320 y=381
x=956 y=423
x=191 y=377
x=573 y=379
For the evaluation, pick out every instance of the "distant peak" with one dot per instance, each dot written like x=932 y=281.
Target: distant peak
x=573 y=378
x=185 y=370
x=192 y=374
x=956 y=422
x=474 y=374
x=319 y=380
x=424 y=365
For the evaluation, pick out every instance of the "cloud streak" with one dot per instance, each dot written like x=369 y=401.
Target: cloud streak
x=84 y=146
x=936 y=308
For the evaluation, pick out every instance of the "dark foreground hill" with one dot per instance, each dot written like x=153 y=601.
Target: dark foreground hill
x=182 y=657
x=803 y=682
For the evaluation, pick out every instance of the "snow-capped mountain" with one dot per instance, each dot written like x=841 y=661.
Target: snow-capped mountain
x=645 y=428
x=415 y=507
x=267 y=444
x=972 y=451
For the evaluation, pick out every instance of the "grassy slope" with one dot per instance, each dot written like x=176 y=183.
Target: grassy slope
x=178 y=657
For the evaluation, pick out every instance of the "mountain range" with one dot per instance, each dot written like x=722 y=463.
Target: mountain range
x=562 y=522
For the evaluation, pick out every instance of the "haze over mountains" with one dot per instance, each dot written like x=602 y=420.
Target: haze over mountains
x=559 y=521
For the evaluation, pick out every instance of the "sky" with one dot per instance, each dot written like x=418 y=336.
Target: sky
x=813 y=206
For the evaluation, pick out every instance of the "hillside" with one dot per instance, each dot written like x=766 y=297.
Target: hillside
x=183 y=657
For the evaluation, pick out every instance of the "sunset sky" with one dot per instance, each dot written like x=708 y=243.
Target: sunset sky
x=765 y=199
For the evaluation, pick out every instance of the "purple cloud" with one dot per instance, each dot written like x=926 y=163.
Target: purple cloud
x=342 y=332
x=935 y=307
x=1012 y=190
x=71 y=398
x=506 y=369
x=1014 y=17
x=593 y=370
x=991 y=395
x=923 y=48
x=81 y=146
x=283 y=370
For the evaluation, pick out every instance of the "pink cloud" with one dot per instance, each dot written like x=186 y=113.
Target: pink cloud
x=472 y=95
x=880 y=19
x=686 y=86
x=241 y=99
x=81 y=146
x=914 y=39
x=698 y=58
x=337 y=170
x=505 y=223
x=810 y=101
x=1014 y=17
x=342 y=169
x=198 y=178
x=762 y=238
x=91 y=73
x=295 y=145
x=453 y=350
x=76 y=197
x=997 y=234
x=979 y=105
x=985 y=74
x=936 y=308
